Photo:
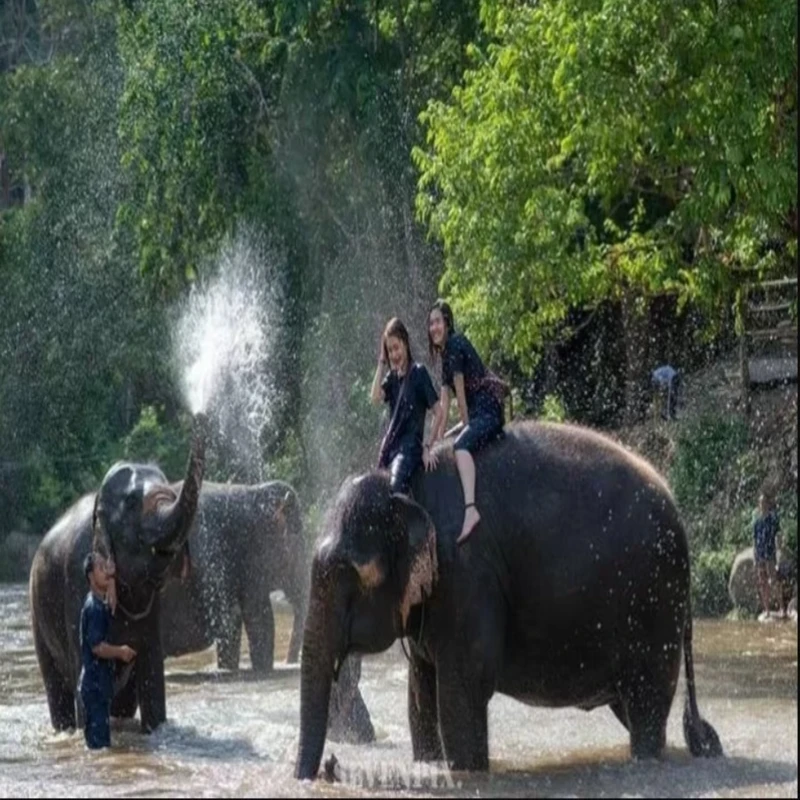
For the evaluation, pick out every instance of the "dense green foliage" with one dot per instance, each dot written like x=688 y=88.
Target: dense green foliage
x=608 y=148
x=528 y=160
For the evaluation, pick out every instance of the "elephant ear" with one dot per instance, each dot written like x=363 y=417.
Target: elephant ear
x=423 y=566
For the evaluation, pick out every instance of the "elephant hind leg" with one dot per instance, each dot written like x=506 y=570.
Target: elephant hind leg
x=259 y=622
x=646 y=703
x=60 y=695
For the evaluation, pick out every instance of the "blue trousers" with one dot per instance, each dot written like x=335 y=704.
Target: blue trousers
x=485 y=425
x=97 y=709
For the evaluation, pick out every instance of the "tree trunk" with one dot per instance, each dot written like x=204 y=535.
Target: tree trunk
x=635 y=319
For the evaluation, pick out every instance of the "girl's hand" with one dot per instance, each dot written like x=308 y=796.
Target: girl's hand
x=381 y=356
x=429 y=459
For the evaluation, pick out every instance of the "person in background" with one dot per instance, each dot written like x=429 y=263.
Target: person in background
x=667 y=381
x=96 y=683
x=409 y=393
x=766 y=544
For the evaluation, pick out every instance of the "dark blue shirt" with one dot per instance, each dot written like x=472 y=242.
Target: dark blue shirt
x=460 y=356
x=97 y=674
x=765 y=532
x=419 y=397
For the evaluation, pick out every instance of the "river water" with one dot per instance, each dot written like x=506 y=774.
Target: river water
x=228 y=735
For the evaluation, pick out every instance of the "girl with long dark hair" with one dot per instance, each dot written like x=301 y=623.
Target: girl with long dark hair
x=479 y=405
x=410 y=394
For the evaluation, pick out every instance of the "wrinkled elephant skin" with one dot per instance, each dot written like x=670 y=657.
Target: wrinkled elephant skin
x=573 y=590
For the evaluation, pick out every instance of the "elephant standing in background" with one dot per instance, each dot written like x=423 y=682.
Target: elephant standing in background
x=246 y=542
x=573 y=590
x=137 y=519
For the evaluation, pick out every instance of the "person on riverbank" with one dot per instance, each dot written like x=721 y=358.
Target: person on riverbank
x=766 y=544
x=667 y=382
x=96 y=683
x=479 y=395
x=409 y=392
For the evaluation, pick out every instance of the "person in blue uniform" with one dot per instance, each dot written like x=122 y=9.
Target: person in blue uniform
x=96 y=683
x=478 y=394
x=766 y=544
x=409 y=392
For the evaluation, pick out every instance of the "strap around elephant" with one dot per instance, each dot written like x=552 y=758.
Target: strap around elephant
x=141 y=615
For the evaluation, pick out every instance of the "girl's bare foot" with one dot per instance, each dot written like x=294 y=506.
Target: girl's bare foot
x=471 y=519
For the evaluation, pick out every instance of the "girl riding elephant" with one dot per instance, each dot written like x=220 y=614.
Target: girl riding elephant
x=409 y=393
x=479 y=394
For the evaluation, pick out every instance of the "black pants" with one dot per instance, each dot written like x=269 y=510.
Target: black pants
x=401 y=470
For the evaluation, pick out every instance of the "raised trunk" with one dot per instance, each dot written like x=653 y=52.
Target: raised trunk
x=320 y=640
x=180 y=514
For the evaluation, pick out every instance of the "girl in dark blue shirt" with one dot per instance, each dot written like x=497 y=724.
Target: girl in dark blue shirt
x=479 y=406
x=409 y=393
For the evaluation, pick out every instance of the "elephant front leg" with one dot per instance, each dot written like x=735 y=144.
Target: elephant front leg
x=422 y=711
x=123 y=706
x=229 y=641
x=151 y=688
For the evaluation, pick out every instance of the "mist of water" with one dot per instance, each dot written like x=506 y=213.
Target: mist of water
x=227 y=341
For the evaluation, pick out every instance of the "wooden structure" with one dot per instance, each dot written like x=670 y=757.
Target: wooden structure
x=768 y=337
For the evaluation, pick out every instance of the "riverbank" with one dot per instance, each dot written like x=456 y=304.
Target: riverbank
x=717 y=459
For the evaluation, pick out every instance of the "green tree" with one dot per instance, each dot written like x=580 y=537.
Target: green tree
x=606 y=149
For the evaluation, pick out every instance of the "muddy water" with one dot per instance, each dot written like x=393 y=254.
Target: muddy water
x=228 y=735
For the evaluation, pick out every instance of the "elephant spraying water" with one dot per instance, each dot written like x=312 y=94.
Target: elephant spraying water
x=137 y=519
x=572 y=591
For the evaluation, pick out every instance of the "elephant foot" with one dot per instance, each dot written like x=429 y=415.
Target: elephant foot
x=151 y=726
x=263 y=671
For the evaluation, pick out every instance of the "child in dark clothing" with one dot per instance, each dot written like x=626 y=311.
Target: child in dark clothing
x=409 y=393
x=96 y=683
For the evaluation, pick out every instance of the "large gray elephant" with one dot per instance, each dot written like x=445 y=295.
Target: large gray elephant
x=246 y=542
x=573 y=590
x=138 y=520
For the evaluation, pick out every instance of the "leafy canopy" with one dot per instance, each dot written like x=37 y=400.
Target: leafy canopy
x=603 y=146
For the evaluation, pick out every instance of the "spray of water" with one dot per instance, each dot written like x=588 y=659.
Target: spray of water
x=227 y=340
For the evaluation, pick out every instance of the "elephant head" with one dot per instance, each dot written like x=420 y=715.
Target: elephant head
x=142 y=524
x=375 y=560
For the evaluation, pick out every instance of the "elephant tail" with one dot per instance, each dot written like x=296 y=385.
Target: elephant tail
x=700 y=736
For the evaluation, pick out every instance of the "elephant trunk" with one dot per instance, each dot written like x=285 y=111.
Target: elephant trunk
x=321 y=640
x=180 y=514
